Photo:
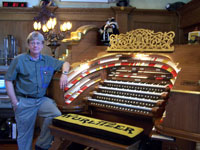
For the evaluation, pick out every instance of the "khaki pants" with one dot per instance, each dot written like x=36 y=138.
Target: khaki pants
x=25 y=116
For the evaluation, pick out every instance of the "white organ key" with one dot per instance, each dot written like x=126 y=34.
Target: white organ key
x=136 y=84
x=120 y=104
x=120 y=70
x=153 y=72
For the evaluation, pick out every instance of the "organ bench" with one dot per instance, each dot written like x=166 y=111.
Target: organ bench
x=61 y=135
x=95 y=133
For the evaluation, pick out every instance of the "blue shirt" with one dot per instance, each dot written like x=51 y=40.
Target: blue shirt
x=32 y=77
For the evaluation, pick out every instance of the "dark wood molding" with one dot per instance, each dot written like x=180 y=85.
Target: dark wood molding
x=73 y=13
x=10 y=14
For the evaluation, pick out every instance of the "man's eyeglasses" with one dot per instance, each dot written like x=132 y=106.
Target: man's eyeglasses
x=35 y=43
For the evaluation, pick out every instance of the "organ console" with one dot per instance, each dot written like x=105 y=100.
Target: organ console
x=134 y=88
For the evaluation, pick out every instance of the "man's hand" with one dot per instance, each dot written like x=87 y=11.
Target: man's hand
x=15 y=105
x=63 y=81
x=11 y=93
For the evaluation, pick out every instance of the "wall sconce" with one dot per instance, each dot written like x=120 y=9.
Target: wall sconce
x=46 y=23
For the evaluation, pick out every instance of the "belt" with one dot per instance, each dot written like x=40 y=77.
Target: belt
x=26 y=96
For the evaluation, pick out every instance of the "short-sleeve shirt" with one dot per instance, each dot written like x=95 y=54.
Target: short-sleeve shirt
x=32 y=77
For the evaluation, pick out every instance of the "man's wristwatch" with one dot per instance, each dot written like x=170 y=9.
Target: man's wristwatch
x=65 y=73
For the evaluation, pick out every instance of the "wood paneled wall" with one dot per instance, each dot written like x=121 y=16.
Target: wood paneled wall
x=157 y=20
x=189 y=16
x=18 y=22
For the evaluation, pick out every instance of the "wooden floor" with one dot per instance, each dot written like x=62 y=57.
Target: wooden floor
x=12 y=146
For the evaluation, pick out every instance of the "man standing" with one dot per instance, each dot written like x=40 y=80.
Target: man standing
x=27 y=79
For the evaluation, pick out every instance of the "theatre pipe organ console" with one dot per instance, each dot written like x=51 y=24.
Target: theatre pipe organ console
x=136 y=83
x=131 y=88
x=132 y=84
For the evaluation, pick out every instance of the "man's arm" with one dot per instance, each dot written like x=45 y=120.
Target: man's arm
x=64 y=78
x=11 y=93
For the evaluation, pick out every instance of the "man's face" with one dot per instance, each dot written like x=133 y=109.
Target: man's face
x=35 y=47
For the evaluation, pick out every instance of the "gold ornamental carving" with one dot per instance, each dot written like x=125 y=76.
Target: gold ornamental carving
x=142 y=40
x=79 y=34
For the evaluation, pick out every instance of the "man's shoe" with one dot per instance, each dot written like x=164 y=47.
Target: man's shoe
x=39 y=148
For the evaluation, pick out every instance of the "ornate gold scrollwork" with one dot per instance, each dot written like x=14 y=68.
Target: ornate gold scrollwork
x=77 y=35
x=142 y=40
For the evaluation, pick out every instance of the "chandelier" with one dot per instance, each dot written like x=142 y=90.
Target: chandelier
x=46 y=22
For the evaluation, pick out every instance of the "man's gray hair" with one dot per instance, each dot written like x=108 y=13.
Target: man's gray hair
x=35 y=35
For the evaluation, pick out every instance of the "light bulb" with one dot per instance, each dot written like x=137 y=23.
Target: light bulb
x=68 y=25
x=49 y=23
x=44 y=28
x=39 y=25
x=54 y=21
x=35 y=25
x=62 y=28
